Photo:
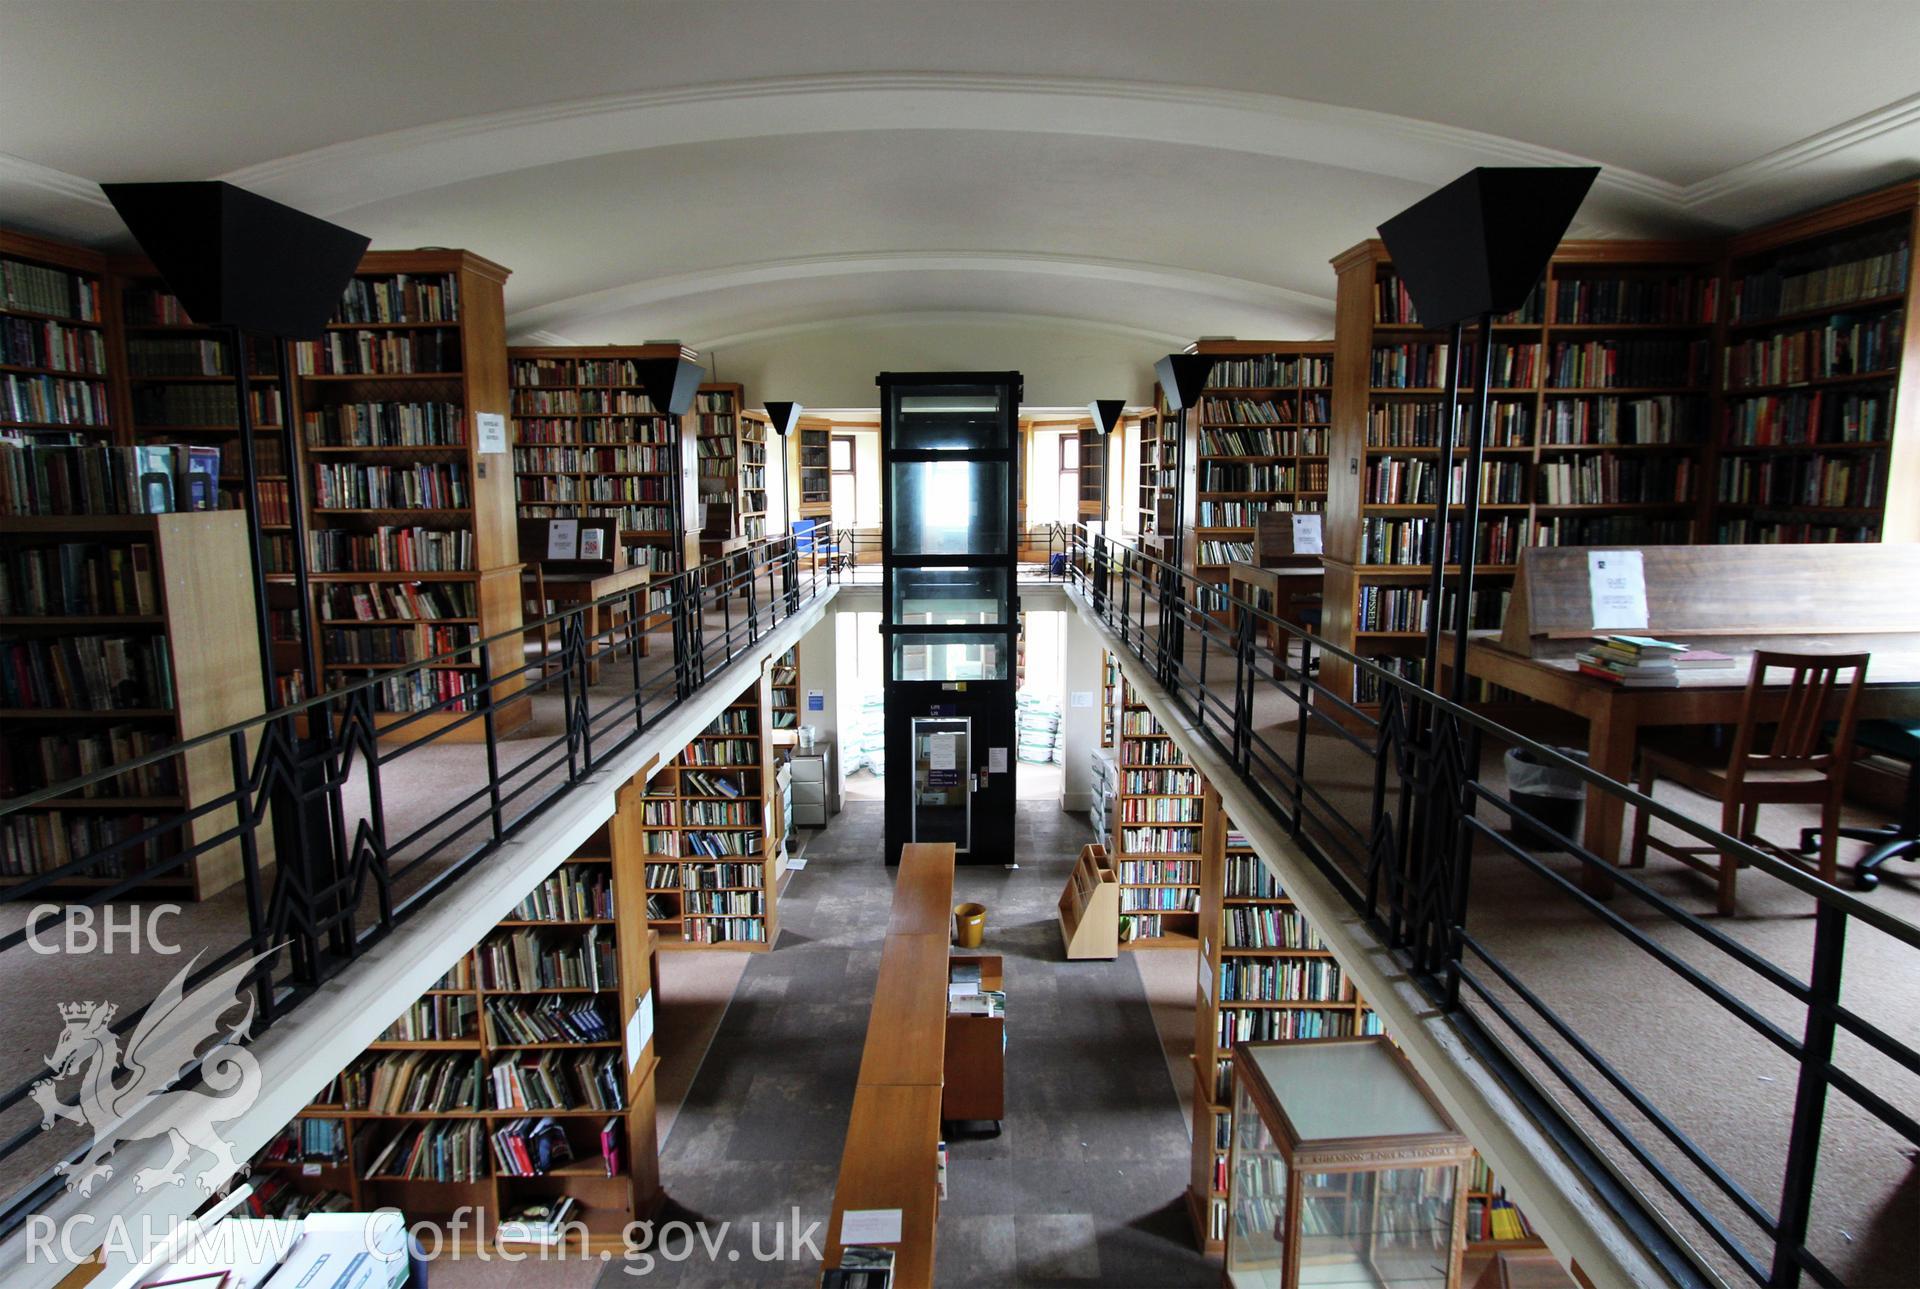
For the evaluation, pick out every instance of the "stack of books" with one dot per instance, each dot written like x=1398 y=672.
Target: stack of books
x=1636 y=662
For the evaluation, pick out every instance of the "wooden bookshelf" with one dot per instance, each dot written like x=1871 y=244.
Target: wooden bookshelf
x=589 y=444
x=57 y=325
x=755 y=456
x=389 y=403
x=1260 y=443
x=1159 y=812
x=720 y=439
x=705 y=900
x=1096 y=452
x=181 y=588
x=1600 y=402
x=1109 y=698
x=595 y=897
x=1264 y=972
x=1818 y=436
x=1153 y=493
x=783 y=701
x=815 y=473
x=182 y=386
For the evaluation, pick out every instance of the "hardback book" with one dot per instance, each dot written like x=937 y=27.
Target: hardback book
x=1702 y=660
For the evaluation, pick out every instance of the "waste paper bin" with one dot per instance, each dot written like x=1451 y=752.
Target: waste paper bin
x=970 y=925
x=1550 y=793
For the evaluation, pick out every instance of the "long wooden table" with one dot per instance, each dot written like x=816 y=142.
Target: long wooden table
x=565 y=590
x=891 y=1156
x=1616 y=714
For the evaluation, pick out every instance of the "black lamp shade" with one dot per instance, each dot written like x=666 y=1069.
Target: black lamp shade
x=783 y=416
x=1183 y=376
x=237 y=259
x=1481 y=243
x=1106 y=414
x=671 y=383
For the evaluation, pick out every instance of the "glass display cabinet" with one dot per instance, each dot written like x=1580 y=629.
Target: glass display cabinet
x=1343 y=1170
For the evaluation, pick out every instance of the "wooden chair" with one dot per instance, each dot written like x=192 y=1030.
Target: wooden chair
x=1799 y=765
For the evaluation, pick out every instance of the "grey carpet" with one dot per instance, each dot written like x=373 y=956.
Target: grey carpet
x=1084 y=1185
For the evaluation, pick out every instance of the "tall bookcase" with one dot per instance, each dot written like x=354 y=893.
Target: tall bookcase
x=1264 y=975
x=182 y=386
x=1600 y=403
x=589 y=444
x=137 y=613
x=1819 y=437
x=720 y=442
x=783 y=698
x=402 y=502
x=1259 y=443
x=1096 y=450
x=57 y=363
x=1157 y=833
x=532 y=1050
x=711 y=834
x=815 y=472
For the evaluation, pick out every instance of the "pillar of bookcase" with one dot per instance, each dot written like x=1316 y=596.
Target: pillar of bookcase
x=1178 y=928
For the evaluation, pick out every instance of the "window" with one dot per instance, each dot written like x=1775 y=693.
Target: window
x=1067 y=497
x=846 y=490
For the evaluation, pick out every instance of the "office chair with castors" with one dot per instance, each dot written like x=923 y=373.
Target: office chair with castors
x=1899 y=740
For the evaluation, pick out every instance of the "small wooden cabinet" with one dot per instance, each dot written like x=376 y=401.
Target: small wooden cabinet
x=976 y=1065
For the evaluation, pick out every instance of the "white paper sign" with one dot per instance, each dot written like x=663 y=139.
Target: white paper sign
x=870 y=1226
x=1306 y=535
x=940 y=752
x=1617 y=581
x=1080 y=698
x=490 y=429
x=639 y=1029
x=996 y=760
x=563 y=539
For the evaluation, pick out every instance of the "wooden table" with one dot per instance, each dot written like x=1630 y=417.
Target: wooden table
x=1282 y=586
x=893 y=1135
x=1615 y=714
x=565 y=590
x=975 y=1064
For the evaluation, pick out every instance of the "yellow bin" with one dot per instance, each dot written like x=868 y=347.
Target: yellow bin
x=970 y=921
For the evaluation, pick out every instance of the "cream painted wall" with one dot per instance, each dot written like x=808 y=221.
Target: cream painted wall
x=1065 y=364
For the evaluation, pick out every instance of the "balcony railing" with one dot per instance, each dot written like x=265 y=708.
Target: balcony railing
x=1394 y=808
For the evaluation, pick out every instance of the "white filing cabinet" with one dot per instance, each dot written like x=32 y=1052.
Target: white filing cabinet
x=816 y=792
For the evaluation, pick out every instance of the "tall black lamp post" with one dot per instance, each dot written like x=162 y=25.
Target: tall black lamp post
x=784 y=417
x=1106 y=419
x=671 y=385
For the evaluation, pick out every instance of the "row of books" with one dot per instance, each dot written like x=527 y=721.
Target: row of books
x=213 y=406
x=1246 y=877
x=735 y=813
x=29 y=762
x=401 y=298
x=1271 y=1024
x=732 y=904
x=1809 y=416
x=40 y=289
x=529 y=960
x=446 y=1150
x=1154 y=752
x=557 y=1080
x=1607 y=364
x=1139 y=925
x=435 y=1018
x=53 y=400
x=1416 y=423
x=581 y=402
x=538 y=372
x=42 y=842
x=1404 y=541
x=1609 y=419
x=71 y=578
x=1216 y=554
x=178 y=356
x=1860 y=270
x=722 y=752
x=413 y=1082
x=1283 y=980
x=1393 y=303
x=1769 y=530
x=389 y=549
x=1405 y=608
x=385 y=425
x=515 y=1022
x=1682 y=298
x=601 y=429
x=86 y=673
x=1233 y=514
x=1161 y=782
x=398 y=644
x=1852 y=480
x=425 y=691
x=1236 y=476
x=73 y=478
x=1261 y=443
x=381 y=487
x=1157 y=841
x=395 y=602
x=717 y=930
x=1255 y=411
x=1263 y=371
x=571 y=892
x=627 y=458
x=1845 y=346
x=1605 y=479
x=309 y=1141
x=1253 y=926
x=1611 y=530
x=1182 y=899
x=1179 y=810
x=704 y=875
x=35 y=342
x=379 y=353
x=530 y=1147
x=1159 y=872
x=1411 y=480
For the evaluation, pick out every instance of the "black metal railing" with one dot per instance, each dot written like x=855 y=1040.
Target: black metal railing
x=327 y=865
x=1391 y=805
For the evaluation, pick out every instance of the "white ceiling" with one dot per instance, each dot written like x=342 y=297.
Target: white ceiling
x=726 y=172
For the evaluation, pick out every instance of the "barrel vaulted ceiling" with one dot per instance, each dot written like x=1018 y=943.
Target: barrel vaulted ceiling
x=723 y=172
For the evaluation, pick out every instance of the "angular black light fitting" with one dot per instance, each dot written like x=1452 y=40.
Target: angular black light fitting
x=783 y=416
x=671 y=383
x=1106 y=414
x=1183 y=376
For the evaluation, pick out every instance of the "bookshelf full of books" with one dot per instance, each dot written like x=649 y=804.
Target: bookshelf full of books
x=411 y=532
x=1159 y=812
x=1600 y=400
x=117 y=640
x=1814 y=381
x=56 y=363
x=1260 y=444
x=505 y=1088
x=815 y=482
x=711 y=834
x=783 y=702
x=726 y=468
x=1146 y=490
x=1096 y=452
x=589 y=444
x=1264 y=976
